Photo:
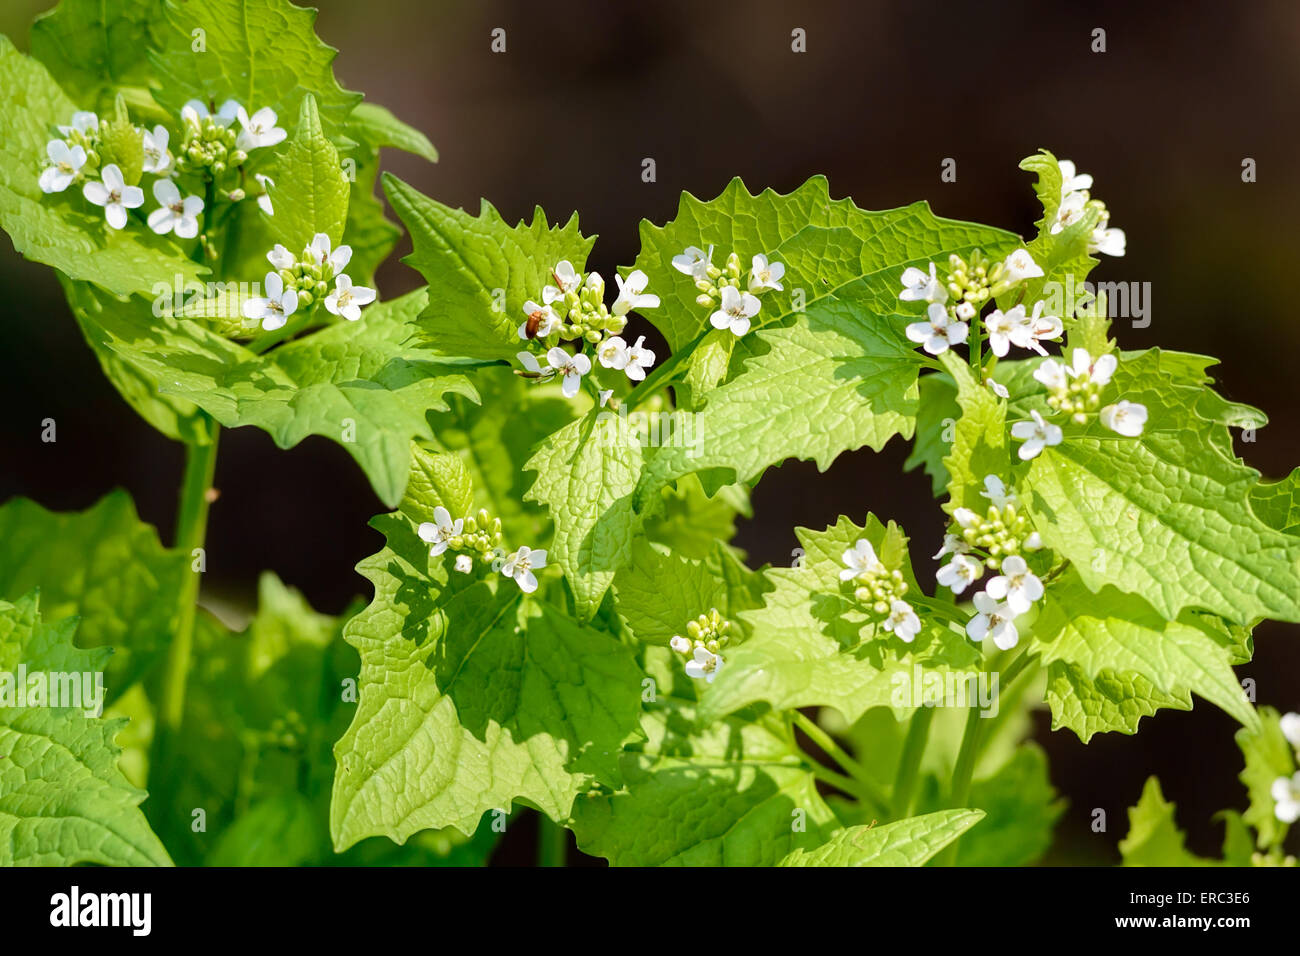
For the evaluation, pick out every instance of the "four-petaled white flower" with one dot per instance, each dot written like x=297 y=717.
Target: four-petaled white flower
x=1021 y=265
x=570 y=367
x=1034 y=328
x=632 y=294
x=1016 y=585
x=613 y=353
x=939 y=331
x=996 y=492
x=156 y=158
x=1003 y=328
x=920 y=286
x=1291 y=729
x=520 y=566
x=704 y=665
x=464 y=563
x=764 y=275
x=1036 y=435
x=860 y=559
x=65 y=162
x=1071 y=211
x=736 y=311
x=995 y=620
x=529 y=361
x=440 y=531
x=547 y=320
x=1106 y=240
x=680 y=644
x=321 y=254
x=1286 y=798
x=960 y=573
x=639 y=358
x=258 y=130
x=196 y=111
x=83 y=121
x=280 y=257
x=902 y=620
x=1083 y=366
x=173 y=212
x=273 y=310
x=347 y=299
x=1071 y=179
x=264 y=200
x=1124 y=417
x=694 y=262
x=566 y=280
x=114 y=195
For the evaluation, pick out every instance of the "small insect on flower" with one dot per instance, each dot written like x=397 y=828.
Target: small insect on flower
x=541 y=321
x=440 y=531
x=114 y=195
x=274 y=310
x=567 y=280
x=65 y=163
x=337 y=259
x=174 y=214
x=520 y=566
x=1036 y=435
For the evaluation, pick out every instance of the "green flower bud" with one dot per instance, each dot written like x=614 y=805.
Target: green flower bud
x=305 y=298
x=593 y=336
x=237 y=157
x=704 y=300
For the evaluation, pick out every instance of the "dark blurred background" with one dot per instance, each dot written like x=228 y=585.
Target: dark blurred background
x=885 y=91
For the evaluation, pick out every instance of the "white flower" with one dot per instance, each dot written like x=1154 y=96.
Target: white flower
x=547 y=320
x=764 y=275
x=65 y=163
x=566 y=280
x=1125 y=417
x=632 y=294
x=520 y=566
x=938 y=332
x=736 y=311
x=1291 y=729
x=1111 y=242
x=994 y=620
x=275 y=309
x=1021 y=265
x=639 y=358
x=996 y=492
x=156 y=158
x=919 y=286
x=952 y=544
x=965 y=311
x=1033 y=328
x=197 y=110
x=965 y=517
x=440 y=531
x=264 y=200
x=1053 y=374
x=1004 y=327
x=258 y=130
x=1034 y=542
x=173 y=212
x=464 y=563
x=1036 y=435
x=529 y=362
x=680 y=644
x=1098 y=370
x=694 y=262
x=704 y=665
x=570 y=367
x=902 y=621
x=83 y=121
x=1071 y=211
x=280 y=257
x=1016 y=585
x=613 y=353
x=347 y=299
x=997 y=388
x=960 y=573
x=860 y=559
x=321 y=254
x=1072 y=181
x=1286 y=796
x=114 y=195
x=595 y=284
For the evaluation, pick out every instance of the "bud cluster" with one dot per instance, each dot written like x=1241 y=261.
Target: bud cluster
x=1000 y=532
x=582 y=312
x=974 y=282
x=480 y=535
x=207 y=146
x=705 y=637
x=1077 y=397
x=879 y=589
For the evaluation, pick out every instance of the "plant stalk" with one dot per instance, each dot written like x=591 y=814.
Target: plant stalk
x=865 y=787
x=909 y=763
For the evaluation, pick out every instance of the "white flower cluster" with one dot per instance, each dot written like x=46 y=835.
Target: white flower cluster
x=303 y=280
x=1075 y=389
x=881 y=589
x=480 y=535
x=1286 y=790
x=1075 y=202
x=720 y=286
x=574 y=309
x=705 y=636
x=994 y=540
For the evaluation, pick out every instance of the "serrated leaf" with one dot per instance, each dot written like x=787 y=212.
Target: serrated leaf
x=480 y=270
x=936 y=417
x=1109 y=701
x=1153 y=837
x=1269 y=755
x=979 y=446
x=63 y=800
x=311 y=192
x=93 y=48
x=658 y=592
x=690 y=522
x=909 y=842
x=1277 y=503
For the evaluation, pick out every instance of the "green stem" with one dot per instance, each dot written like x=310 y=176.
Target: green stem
x=839 y=781
x=552 y=842
x=662 y=375
x=855 y=770
x=191 y=529
x=909 y=764
x=976 y=349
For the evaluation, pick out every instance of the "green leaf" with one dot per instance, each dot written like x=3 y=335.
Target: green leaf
x=357 y=383
x=1107 y=702
x=979 y=446
x=586 y=475
x=936 y=419
x=1153 y=837
x=103 y=566
x=1268 y=756
x=263 y=53
x=1063 y=257
x=63 y=230
x=480 y=270
x=690 y=522
x=374 y=126
x=472 y=696
x=810 y=645
x=658 y=592
x=909 y=842
x=1277 y=503
x=311 y=192
x=1020 y=809
x=63 y=800
x=94 y=48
